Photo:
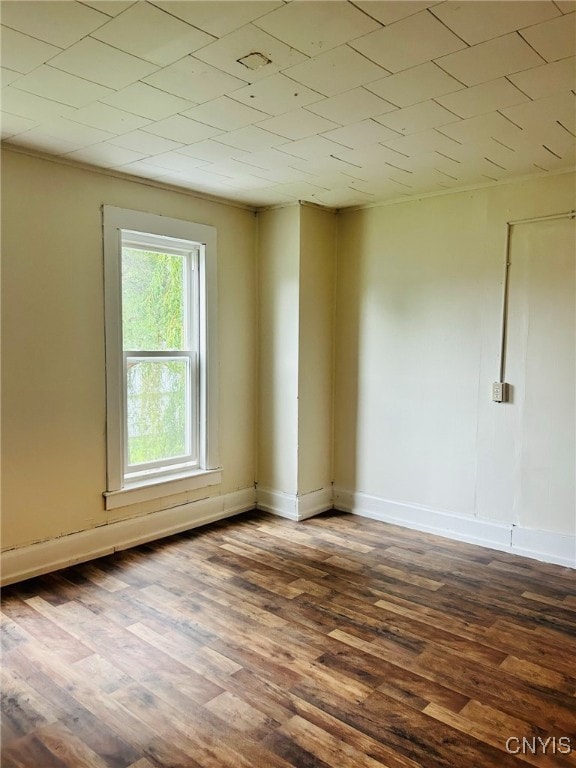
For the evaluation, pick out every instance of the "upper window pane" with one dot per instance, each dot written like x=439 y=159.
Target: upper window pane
x=153 y=300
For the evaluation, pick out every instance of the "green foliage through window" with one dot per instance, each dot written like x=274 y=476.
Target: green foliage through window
x=152 y=300
x=154 y=319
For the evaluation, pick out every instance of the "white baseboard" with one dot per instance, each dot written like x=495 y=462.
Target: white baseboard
x=293 y=506
x=44 y=557
x=546 y=546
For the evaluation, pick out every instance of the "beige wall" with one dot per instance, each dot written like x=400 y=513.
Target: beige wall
x=418 y=323
x=54 y=414
x=296 y=304
x=316 y=348
x=417 y=294
x=278 y=299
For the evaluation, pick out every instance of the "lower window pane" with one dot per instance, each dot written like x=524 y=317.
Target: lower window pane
x=157 y=410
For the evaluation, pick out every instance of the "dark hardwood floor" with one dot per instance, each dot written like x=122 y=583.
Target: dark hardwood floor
x=257 y=642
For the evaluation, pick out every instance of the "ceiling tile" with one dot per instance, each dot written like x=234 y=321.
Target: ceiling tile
x=315 y=27
x=297 y=124
x=251 y=138
x=424 y=141
x=211 y=151
x=218 y=18
x=181 y=129
x=487 y=61
x=411 y=86
x=105 y=155
x=521 y=158
x=547 y=79
x=361 y=134
x=140 y=141
x=560 y=107
x=58 y=22
x=389 y=11
x=352 y=106
x=487 y=97
x=110 y=7
x=195 y=80
x=337 y=180
x=224 y=53
x=61 y=86
x=342 y=198
x=277 y=175
x=408 y=42
x=273 y=159
x=299 y=190
x=146 y=101
x=243 y=182
x=478 y=20
x=144 y=169
x=75 y=133
x=284 y=175
x=29 y=105
x=325 y=164
x=11 y=125
x=22 y=53
x=555 y=39
x=225 y=113
x=175 y=161
x=478 y=171
x=205 y=180
x=553 y=137
x=311 y=148
x=492 y=125
x=39 y=141
x=108 y=118
x=146 y=31
x=102 y=64
x=419 y=117
x=229 y=168
x=7 y=76
x=370 y=159
x=336 y=71
x=275 y=95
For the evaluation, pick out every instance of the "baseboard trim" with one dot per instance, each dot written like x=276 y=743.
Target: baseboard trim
x=546 y=546
x=293 y=506
x=44 y=557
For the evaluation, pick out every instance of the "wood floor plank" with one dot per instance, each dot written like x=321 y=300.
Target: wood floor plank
x=258 y=642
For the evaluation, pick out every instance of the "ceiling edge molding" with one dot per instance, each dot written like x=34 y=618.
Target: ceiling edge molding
x=129 y=177
x=457 y=190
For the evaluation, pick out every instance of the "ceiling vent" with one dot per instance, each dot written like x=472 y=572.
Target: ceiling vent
x=254 y=60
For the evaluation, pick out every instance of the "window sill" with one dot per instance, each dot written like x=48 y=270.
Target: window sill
x=158 y=487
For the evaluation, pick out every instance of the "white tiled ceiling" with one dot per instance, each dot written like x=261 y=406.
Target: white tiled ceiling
x=476 y=22
x=361 y=101
x=58 y=23
x=146 y=31
x=315 y=26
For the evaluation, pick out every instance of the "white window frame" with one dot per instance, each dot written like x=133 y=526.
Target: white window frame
x=120 y=489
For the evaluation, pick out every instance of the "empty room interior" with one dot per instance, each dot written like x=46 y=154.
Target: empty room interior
x=288 y=383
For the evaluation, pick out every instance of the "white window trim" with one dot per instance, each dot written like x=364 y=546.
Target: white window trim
x=119 y=492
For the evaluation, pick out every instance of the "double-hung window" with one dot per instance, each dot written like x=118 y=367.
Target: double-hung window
x=160 y=281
